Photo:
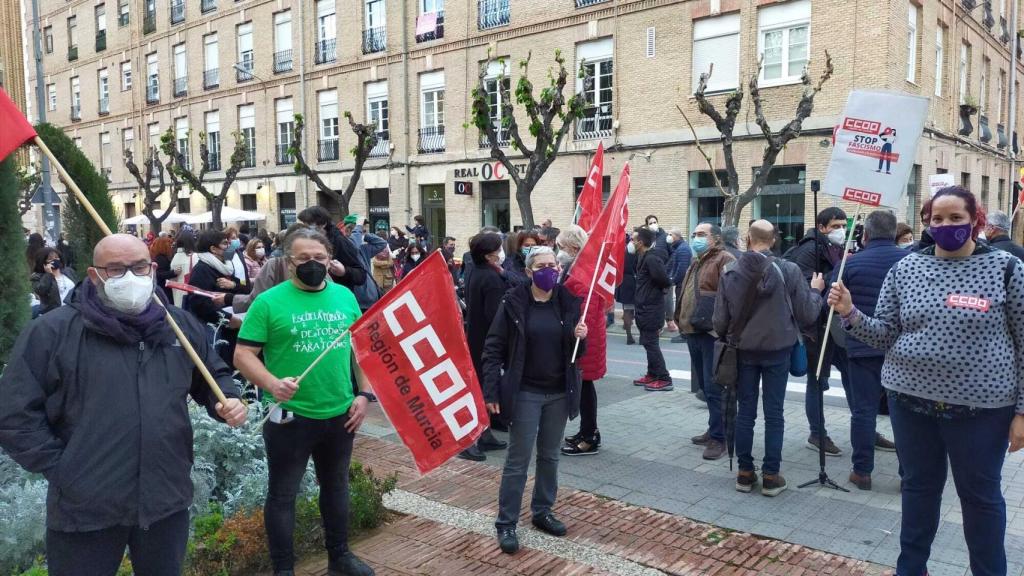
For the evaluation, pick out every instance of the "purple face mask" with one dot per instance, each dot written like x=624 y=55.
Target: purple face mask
x=545 y=278
x=951 y=238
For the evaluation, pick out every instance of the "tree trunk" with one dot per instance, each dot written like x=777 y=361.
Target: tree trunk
x=525 y=204
x=342 y=206
x=216 y=204
x=155 y=224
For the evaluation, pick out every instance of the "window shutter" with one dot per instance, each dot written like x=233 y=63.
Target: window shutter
x=650 y=42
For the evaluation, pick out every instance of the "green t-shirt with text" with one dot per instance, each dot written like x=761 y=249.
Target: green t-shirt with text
x=294 y=326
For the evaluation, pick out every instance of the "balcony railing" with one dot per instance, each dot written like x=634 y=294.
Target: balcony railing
x=383 y=146
x=149 y=23
x=326 y=50
x=104 y=105
x=492 y=13
x=375 y=40
x=211 y=78
x=436 y=33
x=243 y=70
x=596 y=126
x=327 y=149
x=72 y=53
x=152 y=92
x=177 y=11
x=431 y=139
x=213 y=161
x=585 y=3
x=101 y=40
x=207 y=5
x=502 y=134
x=282 y=61
x=76 y=112
x=180 y=86
x=282 y=156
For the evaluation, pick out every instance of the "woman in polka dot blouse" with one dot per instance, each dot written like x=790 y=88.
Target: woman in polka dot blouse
x=951 y=320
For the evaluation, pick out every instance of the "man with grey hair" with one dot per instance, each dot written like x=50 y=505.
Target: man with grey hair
x=863 y=277
x=730 y=240
x=997 y=232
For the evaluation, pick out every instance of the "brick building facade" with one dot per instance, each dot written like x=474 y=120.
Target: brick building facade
x=120 y=72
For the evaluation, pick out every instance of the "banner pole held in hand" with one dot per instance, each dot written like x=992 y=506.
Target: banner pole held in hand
x=107 y=232
x=839 y=278
x=590 y=294
x=331 y=346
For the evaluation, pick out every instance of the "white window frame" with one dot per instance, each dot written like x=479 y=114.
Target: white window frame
x=211 y=52
x=432 y=87
x=376 y=94
x=783 y=18
x=243 y=38
x=51 y=97
x=327 y=108
x=100 y=15
x=940 y=57
x=986 y=65
x=105 y=155
x=282 y=31
x=326 y=20
x=964 y=70
x=428 y=6
x=127 y=139
x=711 y=33
x=180 y=61
x=375 y=14
x=76 y=93
x=911 y=42
x=126 y=76
x=1000 y=95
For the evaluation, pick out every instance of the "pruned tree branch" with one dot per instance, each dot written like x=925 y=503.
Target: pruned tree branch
x=179 y=167
x=27 y=184
x=150 y=194
x=366 y=140
x=707 y=157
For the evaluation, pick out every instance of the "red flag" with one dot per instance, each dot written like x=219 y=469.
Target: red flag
x=610 y=233
x=14 y=128
x=411 y=347
x=590 y=197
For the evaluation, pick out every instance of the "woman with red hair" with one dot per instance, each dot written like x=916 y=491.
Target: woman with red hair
x=161 y=251
x=951 y=320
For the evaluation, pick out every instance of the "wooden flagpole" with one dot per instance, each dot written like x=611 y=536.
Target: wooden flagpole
x=309 y=369
x=106 y=231
x=590 y=294
x=839 y=278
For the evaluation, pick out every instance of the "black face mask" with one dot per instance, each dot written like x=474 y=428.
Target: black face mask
x=311 y=273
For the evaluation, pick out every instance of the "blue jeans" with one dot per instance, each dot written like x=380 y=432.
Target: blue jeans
x=772 y=376
x=702 y=363
x=696 y=364
x=834 y=356
x=975 y=448
x=865 y=390
x=538 y=418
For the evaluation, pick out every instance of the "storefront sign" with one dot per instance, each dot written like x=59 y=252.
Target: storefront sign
x=490 y=171
x=464 y=188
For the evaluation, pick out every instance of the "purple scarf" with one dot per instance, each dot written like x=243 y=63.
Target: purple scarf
x=148 y=326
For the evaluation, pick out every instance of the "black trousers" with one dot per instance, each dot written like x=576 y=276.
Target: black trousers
x=588 y=408
x=158 y=550
x=289 y=448
x=655 y=360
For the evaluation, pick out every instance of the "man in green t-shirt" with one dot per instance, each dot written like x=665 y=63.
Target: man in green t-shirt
x=292 y=324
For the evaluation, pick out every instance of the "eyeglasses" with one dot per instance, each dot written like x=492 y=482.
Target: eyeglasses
x=321 y=259
x=119 y=270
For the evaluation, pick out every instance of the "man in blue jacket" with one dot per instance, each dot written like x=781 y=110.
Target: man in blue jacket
x=863 y=277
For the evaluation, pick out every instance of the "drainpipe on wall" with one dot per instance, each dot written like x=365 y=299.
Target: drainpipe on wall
x=1013 y=108
x=405 y=88
x=302 y=102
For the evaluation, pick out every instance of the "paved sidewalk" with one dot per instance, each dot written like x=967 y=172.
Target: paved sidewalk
x=447 y=528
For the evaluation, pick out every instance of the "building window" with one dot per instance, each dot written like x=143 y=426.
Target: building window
x=177 y=11
x=76 y=99
x=286 y=209
x=51 y=97
x=211 y=56
x=375 y=32
x=247 y=125
x=123 y=11
x=965 y=70
x=784 y=40
x=781 y=202
x=72 y=38
x=152 y=79
x=496 y=72
x=326 y=32
x=716 y=41
x=1001 y=191
x=213 y=141
x=103 y=89
x=327 y=149
x=126 y=76
x=911 y=42
x=149 y=19
x=181 y=139
x=180 y=71
x=999 y=96
x=492 y=13
x=430 y=21
x=127 y=140
x=432 y=112
x=940 y=57
x=377 y=113
x=706 y=200
x=48 y=39
x=285 y=130
x=101 y=27
x=986 y=68
x=283 y=42
x=207 y=5
x=598 y=115
x=246 y=60
x=984 y=192
x=105 y=155
x=913 y=192
x=154 y=135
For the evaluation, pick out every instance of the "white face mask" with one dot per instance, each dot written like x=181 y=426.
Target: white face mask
x=907 y=245
x=260 y=252
x=653 y=226
x=631 y=248
x=837 y=237
x=129 y=294
x=501 y=257
x=414 y=257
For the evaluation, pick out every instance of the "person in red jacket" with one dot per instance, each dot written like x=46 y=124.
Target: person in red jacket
x=593 y=361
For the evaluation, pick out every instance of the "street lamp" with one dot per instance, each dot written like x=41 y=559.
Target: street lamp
x=239 y=68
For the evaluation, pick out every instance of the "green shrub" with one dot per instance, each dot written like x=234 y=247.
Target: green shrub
x=14 y=287
x=366 y=508
x=23 y=516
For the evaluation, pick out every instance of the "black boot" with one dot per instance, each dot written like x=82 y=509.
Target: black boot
x=488 y=442
x=348 y=565
x=473 y=453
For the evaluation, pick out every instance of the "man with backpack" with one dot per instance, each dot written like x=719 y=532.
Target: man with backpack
x=763 y=304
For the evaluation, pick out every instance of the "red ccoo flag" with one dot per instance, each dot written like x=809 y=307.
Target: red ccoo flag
x=412 y=349
x=590 y=197
x=607 y=243
x=14 y=128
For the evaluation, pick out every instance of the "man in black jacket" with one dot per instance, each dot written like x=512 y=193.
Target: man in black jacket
x=95 y=399
x=651 y=283
x=346 y=268
x=997 y=232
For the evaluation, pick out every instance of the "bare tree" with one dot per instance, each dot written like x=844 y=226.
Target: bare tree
x=28 y=182
x=366 y=140
x=152 y=191
x=736 y=200
x=542 y=113
x=179 y=166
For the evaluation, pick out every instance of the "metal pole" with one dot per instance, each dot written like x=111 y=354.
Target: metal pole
x=1014 y=43
x=51 y=222
x=303 y=181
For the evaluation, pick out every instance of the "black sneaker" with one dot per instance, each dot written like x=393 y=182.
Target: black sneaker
x=746 y=480
x=488 y=441
x=830 y=448
x=883 y=444
x=508 y=540
x=773 y=485
x=473 y=453
x=348 y=565
x=548 y=523
x=583 y=447
x=574 y=438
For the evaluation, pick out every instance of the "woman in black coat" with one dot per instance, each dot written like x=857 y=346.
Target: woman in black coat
x=540 y=321
x=215 y=274
x=52 y=282
x=413 y=257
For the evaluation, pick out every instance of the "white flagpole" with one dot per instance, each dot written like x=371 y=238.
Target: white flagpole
x=590 y=294
x=839 y=278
